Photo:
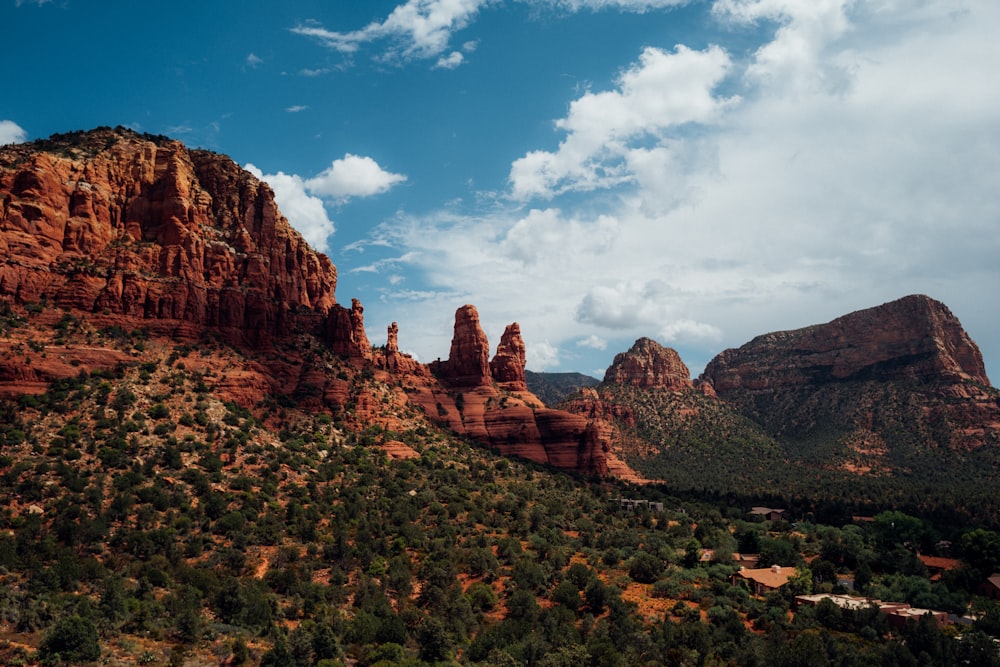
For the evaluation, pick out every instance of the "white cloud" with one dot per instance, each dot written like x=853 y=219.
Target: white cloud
x=655 y=98
x=623 y=5
x=813 y=197
x=689 y=331
x=626 y=305
x=11 y=133
x=301 y=200
x=296 y=108
x=307 y=72
x=541 y=355
x=800 y=56
x=254 y=60
x=353 y=176
x=594 y=342
x=423 y=27
x=450 y=61
x=305 y=212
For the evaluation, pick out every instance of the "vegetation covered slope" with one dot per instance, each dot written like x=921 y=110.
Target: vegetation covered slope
x=554 y=387
x=694 y=442
x=148 y=519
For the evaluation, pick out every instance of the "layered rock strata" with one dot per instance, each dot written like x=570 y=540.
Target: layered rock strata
x=903 y=370
x=127 y=225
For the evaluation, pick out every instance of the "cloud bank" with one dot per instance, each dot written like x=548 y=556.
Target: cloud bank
x=857 y=164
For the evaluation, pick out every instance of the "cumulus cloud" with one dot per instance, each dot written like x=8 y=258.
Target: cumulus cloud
x=541 y=355
x=655 y=98
x=301 y=199
x=450 y=61
x=854 y=170
x=11 y=133
x=353 y=176
x=626 y=305
x=422 y=28
x=800 y=55
x=305 y=212
x=254 y=60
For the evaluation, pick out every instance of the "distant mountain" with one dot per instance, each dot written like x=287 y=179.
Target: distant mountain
x=885 y=401
x=554 y=387
x=902 y=371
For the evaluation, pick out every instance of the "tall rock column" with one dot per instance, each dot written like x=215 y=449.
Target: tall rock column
x=468 y=363
x=507 y=366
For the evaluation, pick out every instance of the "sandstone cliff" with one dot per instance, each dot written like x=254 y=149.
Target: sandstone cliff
x=649 y=365
x=861 y=372
x=133 y=226
x=489 y=402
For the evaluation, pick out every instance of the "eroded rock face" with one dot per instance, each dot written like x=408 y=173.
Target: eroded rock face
x=114 y=222
x=914 y=338
x=468 y=363
x=490 y=403
x=345 y=331
x=649 y=365
x=913 y=349
x=507 y=366
x=135 y=231
x=395 y=361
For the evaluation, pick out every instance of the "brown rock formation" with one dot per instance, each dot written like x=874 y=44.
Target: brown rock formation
x=914 y=338
x=508 y=364
x=928 y=371
x=649 y=365
x=114 y=222
x=345 y=331
x=490 y=403
x=468 y=362
x=395 y=361
x=135 y=231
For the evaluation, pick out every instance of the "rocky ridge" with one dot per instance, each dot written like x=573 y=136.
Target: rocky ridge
x=649 y=365
x=830 y=376
x=138 y=233
x=489 y=401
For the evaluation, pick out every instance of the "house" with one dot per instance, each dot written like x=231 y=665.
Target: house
x=991 y=587
x=764 y=580
x=746 y=560
x=849 y=602
x=936 y=566
x=633 y=505
x=900 y=615
x=897 y=613
x=768 y=513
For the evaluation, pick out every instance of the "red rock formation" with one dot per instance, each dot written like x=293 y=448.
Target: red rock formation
x=138 y=231
x=508 y=364
x=468 y=363
x=345 y=332
x=503 y=414
x=395 y=361
x=113 y=222
x=649 y=365
x=914 y=338
x=914 y=349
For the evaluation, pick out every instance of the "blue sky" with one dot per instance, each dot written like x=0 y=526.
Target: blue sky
x=697 y=172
